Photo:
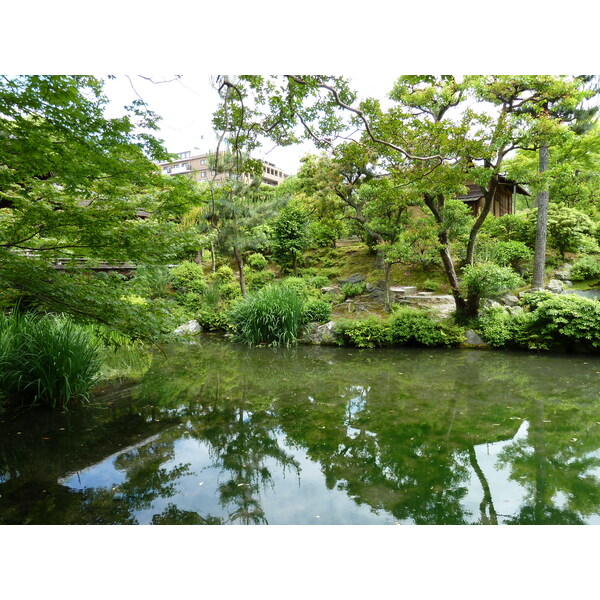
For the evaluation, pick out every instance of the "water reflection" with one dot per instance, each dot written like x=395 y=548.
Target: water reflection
x=221 y=434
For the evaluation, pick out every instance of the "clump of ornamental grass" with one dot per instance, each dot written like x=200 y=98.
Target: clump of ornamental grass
x=46 y=360
x=272 y=316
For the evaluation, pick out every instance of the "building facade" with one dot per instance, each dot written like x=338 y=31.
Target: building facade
x=198 y=167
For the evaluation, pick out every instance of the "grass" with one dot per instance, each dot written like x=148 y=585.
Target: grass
x=46 y=360
x=272 y=315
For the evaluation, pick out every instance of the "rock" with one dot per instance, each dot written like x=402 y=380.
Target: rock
x=318 y=334
x=403 y=290
x=514 y=310
x=564 y=273
x=568 y=284
x=510 y=300
x=331 y=289
x=490 y=303
x=474 y=339
x=356 y=278
x=555 y=286
x=189 y=328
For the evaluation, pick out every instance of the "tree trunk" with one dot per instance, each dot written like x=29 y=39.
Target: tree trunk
x=461 y=305
x=240 y=263
x=198 y=259
x=212 y=256
x=541 y=229
x=387 y=272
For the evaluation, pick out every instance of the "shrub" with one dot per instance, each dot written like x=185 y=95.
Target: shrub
x=431 y=286
x=510 y=253
x=297 y=284
x=414 y=326
x=211 y=319
x=230 y=291
x=587 y=267
x=564 y=321
x=223 y=275
x=519 y=227
x=270 y=316
x=258 y=279
x=349 y=290
x=257 y=262
x=316 y=310
x=487 y=280
x=370 y=332
x=188 y=277
x=46 y=360
x=570 y=230
x=499 y=328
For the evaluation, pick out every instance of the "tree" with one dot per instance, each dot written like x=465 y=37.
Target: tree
x=289 y=237
x=72 y=184
x=441 y=133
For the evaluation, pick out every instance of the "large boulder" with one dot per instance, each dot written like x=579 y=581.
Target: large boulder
x=555 y=286
x=356 y=278
x=474 y=340
x=188 y=329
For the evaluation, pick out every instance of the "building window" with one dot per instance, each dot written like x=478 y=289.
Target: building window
x=203 y=174
x=184 y=155
x=202 y=162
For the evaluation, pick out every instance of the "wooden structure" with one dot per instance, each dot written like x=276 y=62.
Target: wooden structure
x=504 y=201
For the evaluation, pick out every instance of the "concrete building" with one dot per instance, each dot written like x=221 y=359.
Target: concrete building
x=198 y=167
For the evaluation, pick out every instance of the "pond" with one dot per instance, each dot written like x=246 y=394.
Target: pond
x=217 y=433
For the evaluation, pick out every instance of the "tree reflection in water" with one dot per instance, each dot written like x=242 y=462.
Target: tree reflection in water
x=397 y=433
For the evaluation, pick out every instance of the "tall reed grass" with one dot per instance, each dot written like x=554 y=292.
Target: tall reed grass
x=272 y=315
x=46 y=360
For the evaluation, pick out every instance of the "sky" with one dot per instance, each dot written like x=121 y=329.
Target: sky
x=186 y=104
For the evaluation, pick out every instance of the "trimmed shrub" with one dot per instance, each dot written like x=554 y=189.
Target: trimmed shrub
x=258 y=279
x=223 y=275
x=257 y=262
x=370 y=332
x=46 y=360
x=299 y=285
x=316 y=310
x=487 y=280
x=211 y=319
x=188 y=277
x=586 y=267
x=270 y=316
x=499 y=328
x=414 y=326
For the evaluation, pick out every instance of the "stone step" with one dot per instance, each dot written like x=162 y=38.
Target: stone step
x=426 y=299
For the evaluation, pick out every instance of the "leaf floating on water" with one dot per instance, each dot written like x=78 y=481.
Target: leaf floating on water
x=547 y=421
x=45 y=438
x=201 y=483
x=518 y=418
x=241 y=484
x=573 y=439
x=496 y=424
x=317 y=516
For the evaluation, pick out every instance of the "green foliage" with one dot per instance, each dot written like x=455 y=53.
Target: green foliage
x=324 y=234
x=431 y=286
x=298 y=284
x=256 y=261
x=188 y=277
x=72 y=184
x=555 y=322
x=223 y=275
x=510 y=253
x=46 y=360
x=570 y=230
x=414 y=326
x=499 y=328
x=370 y=332
x=518 y=227
x=211 y=318
x=289 y=236
x=349 y=290
x=587 y=267
x=316 y=310
x=487 y=280
x=270 y=316
x=151 y=281
x=258 y=279
x=406 y=326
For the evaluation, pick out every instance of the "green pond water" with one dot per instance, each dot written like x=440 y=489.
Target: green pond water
x=217 y=433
